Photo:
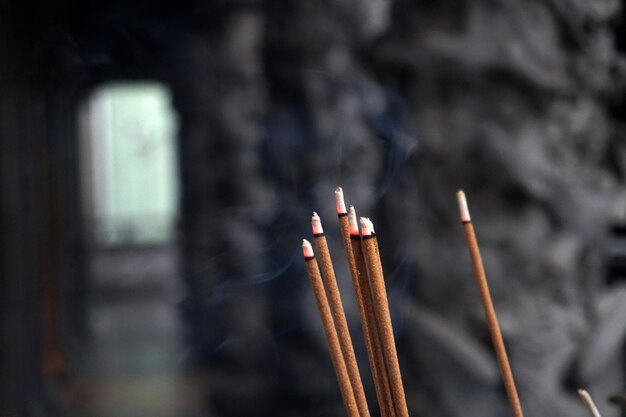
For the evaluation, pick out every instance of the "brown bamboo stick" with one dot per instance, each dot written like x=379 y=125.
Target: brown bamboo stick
x=490 y=312
x=383 y=316
x=338 y=314
x=361 y=284
x=372 y=334
x=591 y=406
x=332 y=338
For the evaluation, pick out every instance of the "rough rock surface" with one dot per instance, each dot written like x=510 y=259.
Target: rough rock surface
x=402 y=103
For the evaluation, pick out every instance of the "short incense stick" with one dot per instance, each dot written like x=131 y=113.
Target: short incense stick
x=383 y=316
x=338 y=315
x=584 y=395
x=368 y=321
x=490 y=313
x=329 y=329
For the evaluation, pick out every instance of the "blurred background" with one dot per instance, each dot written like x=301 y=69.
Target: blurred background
x=160 y=160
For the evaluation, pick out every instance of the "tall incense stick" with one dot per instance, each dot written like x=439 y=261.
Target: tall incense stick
x=584 y=395
x=490 y=312
x=329 y=329
x=370 y=327
x=344 y=226
x=383 y=316
x=338 y=314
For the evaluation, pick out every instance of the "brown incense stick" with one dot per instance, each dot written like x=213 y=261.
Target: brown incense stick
x=370 y=327
x=338 y=314
x=490 y=312
x=584 y=395
x=383 y=316
x=369 y=331
x=329 y=329
x=344 y=226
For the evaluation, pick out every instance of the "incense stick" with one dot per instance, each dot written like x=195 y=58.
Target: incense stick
x=329 y=329
x=584 y=395
x=490 y=313
x=383 y=316
x=344 y=226
x=338 y=314
x=370 y=327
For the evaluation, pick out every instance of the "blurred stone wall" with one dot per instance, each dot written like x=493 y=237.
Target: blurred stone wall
x=402 y=103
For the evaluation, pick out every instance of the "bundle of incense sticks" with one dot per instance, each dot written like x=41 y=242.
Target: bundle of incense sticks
x=361 y=248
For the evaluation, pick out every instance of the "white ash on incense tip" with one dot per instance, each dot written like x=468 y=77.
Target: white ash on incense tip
x=307 y=249
x=316 y=224
x=463 y=209
x=354 y=225
x=367 y=227
x=339 y=201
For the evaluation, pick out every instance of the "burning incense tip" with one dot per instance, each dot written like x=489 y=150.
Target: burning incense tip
x=463 y=210
x=354 y=225
x=584 y=395
x=339 y=201
x=367 y=227
x=316 y=224
x=307 y=249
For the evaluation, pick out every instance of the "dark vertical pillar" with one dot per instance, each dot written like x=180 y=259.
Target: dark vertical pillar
x=20 y=247
x=39 y=225
x=219 y=95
